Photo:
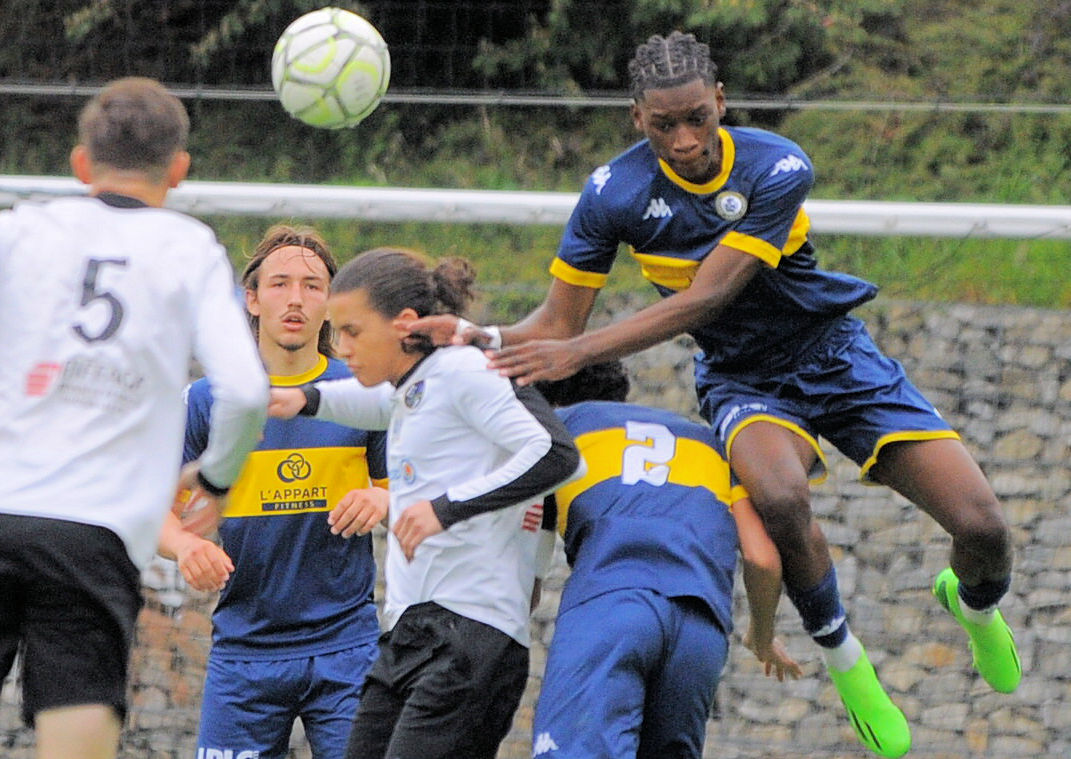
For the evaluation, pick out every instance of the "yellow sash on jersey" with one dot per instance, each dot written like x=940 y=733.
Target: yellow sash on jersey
x=296 y=481
x=693 y=464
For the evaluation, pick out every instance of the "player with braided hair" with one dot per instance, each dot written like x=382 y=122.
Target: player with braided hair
x=667 y=62
x=714 y=216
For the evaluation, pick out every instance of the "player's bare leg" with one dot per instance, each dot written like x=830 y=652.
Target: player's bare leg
x=774 y=463
x=86 y=731
x=944 y=481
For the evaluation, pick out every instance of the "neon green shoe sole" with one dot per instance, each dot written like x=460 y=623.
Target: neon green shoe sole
x=992 y=645
x=878 y=722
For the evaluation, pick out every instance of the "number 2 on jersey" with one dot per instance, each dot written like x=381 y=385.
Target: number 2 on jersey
x=647 y=460
x=91 y=294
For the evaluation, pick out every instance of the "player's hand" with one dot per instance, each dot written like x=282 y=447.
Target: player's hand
x=441 y=329
x=774 y=657
x=536 y=360
x=358 y=512
x=447 y=329
x=197 y=509
x=204 y=565
x=414 y=525
x=286 y=402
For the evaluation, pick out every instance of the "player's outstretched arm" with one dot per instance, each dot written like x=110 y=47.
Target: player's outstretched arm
x=564 y=313
x=359 y=511
x=762 y=581
x=286 y=402
x=720 y=278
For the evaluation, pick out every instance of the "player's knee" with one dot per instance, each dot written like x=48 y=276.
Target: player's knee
x=980 y=526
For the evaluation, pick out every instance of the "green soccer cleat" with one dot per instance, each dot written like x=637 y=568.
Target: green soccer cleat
x=878 y=722
x=992 y=645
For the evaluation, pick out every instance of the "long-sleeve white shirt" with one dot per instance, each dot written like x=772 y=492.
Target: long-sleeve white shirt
x=106 y=301
x=484 y=453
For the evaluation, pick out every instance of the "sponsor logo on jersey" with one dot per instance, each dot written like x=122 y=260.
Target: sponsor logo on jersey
x=293 y=467
x=533 y=518
x=543 y=744
x=293 y=499
x=730 y=205
x=414 y=395
x=102 y=383
x=226 y=753
x=787 y=164
x=657 y=209
x=405 y=471
x=39 y=379
x=600 y=177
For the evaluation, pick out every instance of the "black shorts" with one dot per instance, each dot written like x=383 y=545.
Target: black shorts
x=69 y=600
x=443 y=686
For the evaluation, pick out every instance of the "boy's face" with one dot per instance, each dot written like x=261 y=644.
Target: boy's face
x=290 y=298
x=681 y=124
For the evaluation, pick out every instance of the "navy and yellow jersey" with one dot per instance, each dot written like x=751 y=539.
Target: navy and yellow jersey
x=297 y=589
x=755 y=204
x=651 y=511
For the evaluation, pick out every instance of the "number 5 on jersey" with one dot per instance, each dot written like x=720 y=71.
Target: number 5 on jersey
x=93 y=294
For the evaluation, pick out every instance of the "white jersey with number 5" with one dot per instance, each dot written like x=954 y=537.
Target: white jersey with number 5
x=105 y=301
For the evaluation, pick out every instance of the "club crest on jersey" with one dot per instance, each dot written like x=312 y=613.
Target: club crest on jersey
x=730 y=205
x=293 y=467
x=414 y=395
x=407 y=471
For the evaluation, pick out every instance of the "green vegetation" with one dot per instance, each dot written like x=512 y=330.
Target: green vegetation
x=912 y=51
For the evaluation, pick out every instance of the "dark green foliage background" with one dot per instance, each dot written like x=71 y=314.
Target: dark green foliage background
x=904 y=51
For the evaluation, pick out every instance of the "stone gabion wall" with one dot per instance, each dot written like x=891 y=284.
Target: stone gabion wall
x=1002 y=376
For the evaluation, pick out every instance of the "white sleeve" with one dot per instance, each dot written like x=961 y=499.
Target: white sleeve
x=226 y=350
x=348 y=402
x=519 y=420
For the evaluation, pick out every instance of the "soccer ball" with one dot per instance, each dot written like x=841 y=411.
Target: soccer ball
x=330 y=68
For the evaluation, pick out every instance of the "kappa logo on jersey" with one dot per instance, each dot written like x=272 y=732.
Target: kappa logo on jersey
x=730 y=205
x=658 y=209
x=736 y=412
x=600 y=177
x=414 y=395
x=293 y=467
x=543 y=744
x=789 y=163
x=226 y=753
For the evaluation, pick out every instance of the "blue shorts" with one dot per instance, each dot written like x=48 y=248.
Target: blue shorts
x=840 y=387
x=630 y=673
x=250 y=706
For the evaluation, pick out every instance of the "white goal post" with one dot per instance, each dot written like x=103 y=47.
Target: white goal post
x=394 y=204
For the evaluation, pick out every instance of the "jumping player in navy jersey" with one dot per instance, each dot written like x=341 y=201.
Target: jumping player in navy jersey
x=642 y=630
x=714 y=217
x=295 y=628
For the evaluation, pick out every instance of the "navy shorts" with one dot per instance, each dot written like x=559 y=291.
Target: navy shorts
x=840 y=387
x=249 y=707
x=631 y=674
x=69 y=600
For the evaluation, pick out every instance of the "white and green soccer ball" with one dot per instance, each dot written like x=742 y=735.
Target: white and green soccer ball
x=330 y=68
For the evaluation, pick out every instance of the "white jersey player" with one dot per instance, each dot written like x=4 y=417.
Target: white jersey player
x=113 y=296
x=469 y=457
